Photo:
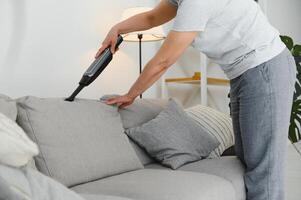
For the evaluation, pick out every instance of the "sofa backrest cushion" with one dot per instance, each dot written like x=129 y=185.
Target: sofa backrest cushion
x=8 y=107
x=79 y=141
x=141 y=111
x=136 y=114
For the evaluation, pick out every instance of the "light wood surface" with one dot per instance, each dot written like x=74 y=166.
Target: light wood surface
x=196 y=78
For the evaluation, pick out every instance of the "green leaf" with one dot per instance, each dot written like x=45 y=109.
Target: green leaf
x=298 y=133
x=298 y=68
x=298 y=112
x=298 y=102
x=298 y=77
x=295 y=104
x=296 y=51
x=295 y=118
x=288 y=41
x=292 y=132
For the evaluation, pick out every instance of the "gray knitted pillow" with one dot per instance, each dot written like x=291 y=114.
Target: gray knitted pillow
x=173 y=138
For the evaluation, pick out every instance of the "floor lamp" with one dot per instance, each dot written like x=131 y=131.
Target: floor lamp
x=152 y=35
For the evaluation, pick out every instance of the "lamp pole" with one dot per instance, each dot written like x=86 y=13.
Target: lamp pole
x=140 y=36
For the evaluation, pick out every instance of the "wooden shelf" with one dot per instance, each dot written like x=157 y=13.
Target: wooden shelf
x=196 y=78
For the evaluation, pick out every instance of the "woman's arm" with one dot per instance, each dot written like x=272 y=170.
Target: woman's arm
x=172 y=48
x=161 y=14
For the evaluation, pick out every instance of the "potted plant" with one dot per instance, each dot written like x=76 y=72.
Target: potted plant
x=295 y=120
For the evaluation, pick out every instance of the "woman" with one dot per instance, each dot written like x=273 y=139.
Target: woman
x=236 y=35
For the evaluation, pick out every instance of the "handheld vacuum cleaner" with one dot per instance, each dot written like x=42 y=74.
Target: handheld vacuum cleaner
x=95 y=69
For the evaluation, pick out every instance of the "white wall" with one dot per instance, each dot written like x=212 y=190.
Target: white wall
x=286 y=16
x=46 y=46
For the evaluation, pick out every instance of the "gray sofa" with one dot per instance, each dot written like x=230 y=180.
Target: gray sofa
x=208 y=179
x=203 y=180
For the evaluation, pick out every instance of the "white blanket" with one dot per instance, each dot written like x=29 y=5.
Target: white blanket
x=28 y=184
x=16 y=149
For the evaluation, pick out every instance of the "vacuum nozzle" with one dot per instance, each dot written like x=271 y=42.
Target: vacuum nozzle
x=73 y=95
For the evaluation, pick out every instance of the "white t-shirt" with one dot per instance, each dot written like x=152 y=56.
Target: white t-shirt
x=233 y=33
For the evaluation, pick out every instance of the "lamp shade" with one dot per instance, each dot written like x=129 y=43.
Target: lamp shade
x=154 y=34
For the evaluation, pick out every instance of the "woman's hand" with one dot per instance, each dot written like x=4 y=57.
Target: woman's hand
x=121 y=101
x=110 y=40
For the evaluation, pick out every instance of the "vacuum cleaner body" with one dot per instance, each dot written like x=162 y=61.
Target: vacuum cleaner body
x=95 y=69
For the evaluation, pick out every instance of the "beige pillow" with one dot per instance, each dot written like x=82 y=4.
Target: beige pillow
x=215 y=123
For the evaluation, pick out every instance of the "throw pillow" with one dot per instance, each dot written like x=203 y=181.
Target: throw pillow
x=173 y=138
x=140 y=111
x=215 y=123
x=28 y=184
x=79 y=141
x=9 y=108
x=16 y=149
x=7 y=192
x=136 y=114
x=13 y=184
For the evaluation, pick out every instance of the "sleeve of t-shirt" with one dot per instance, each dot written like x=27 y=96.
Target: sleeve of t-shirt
x=173 y=2
x=192 y=15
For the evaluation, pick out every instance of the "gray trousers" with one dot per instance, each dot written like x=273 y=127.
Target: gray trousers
x=261 y=101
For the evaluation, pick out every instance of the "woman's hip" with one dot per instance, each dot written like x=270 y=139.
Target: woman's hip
x=274 y=77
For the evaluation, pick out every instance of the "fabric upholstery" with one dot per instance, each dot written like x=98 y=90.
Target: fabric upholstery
x=101 y=197
x=13 y=184
x=215 y=123
x=79 y=141
x=6 y=192
x=138 y=113
x=28 y=184
x=173 y=138
x=150 y=184
x=143 y=156
x=16 y=149
x=8 y=107
x=46 y=188
x=141 y=111
x=227 y=167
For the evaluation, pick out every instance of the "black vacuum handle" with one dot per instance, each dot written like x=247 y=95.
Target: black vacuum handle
x=99 y=64
x=119 y=41
x=95 y=69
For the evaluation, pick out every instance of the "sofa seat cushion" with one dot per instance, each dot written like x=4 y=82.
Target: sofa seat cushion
x=227 y=167
x=153 y=184
x=79 y=141
x=101 y=197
